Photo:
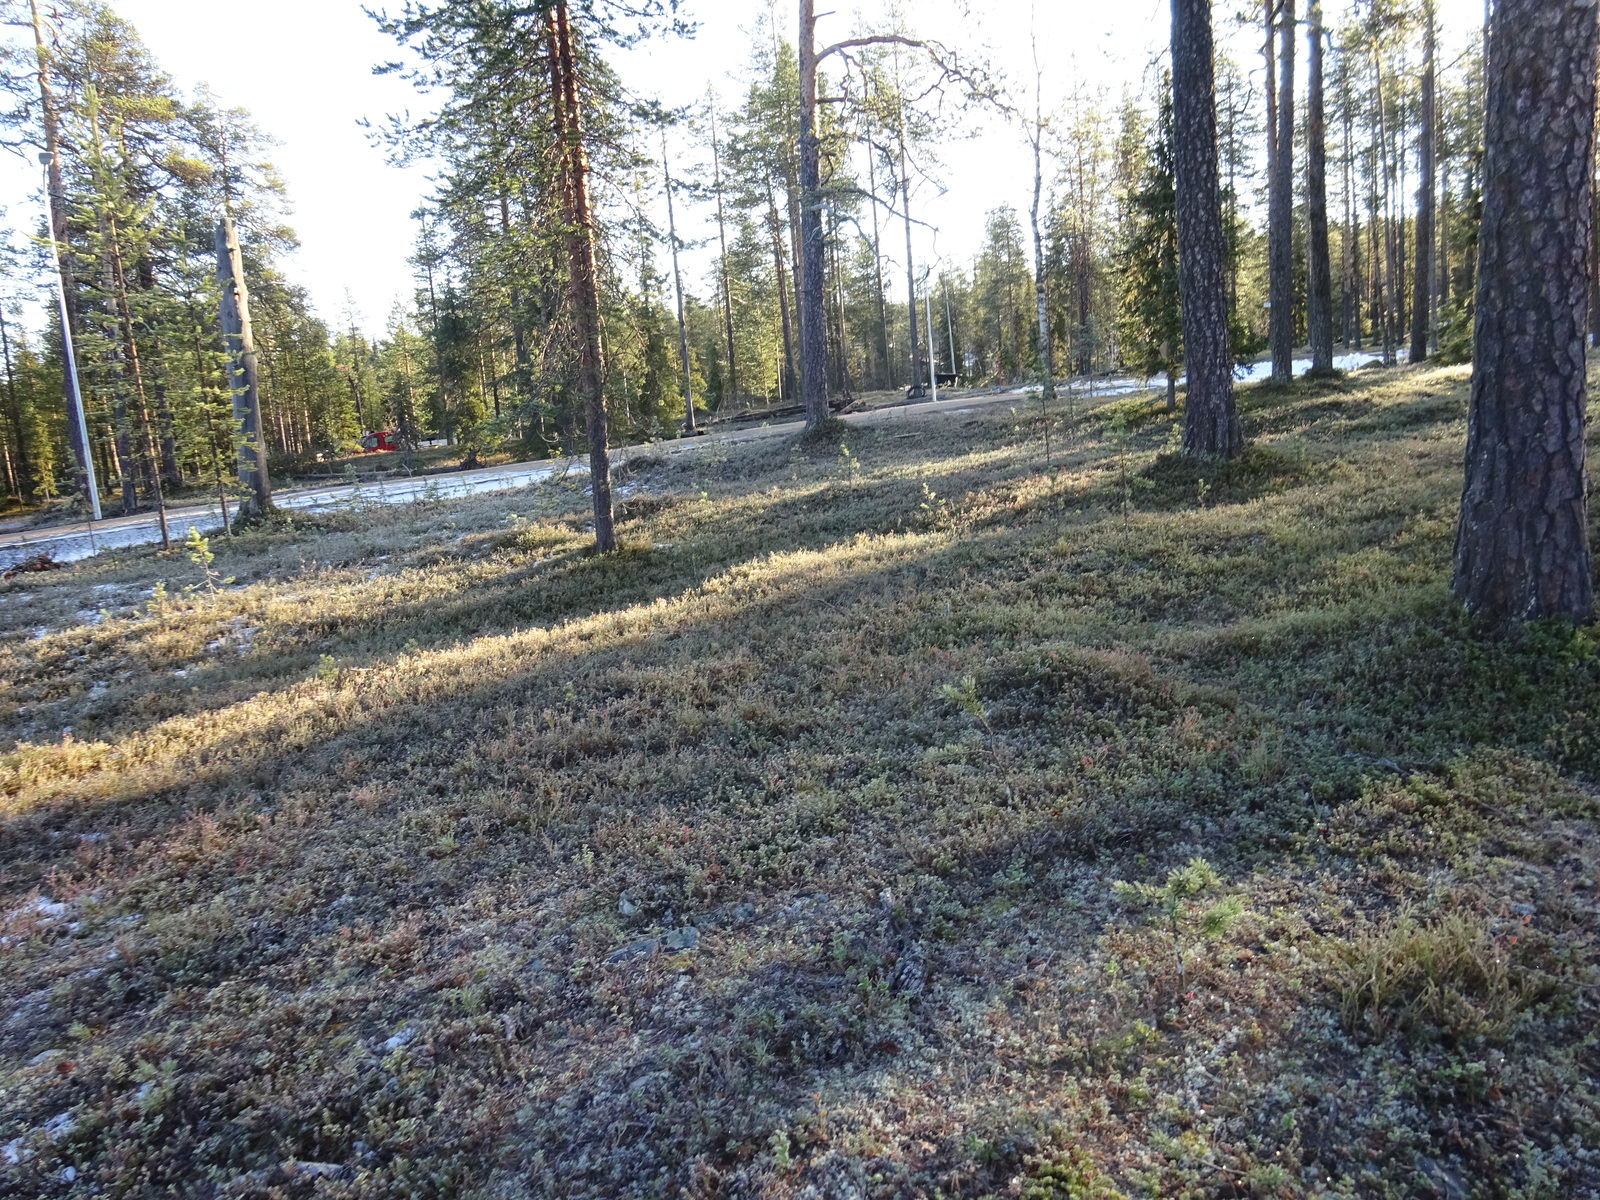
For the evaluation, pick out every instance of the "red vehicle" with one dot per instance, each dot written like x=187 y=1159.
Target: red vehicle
x=383 y=439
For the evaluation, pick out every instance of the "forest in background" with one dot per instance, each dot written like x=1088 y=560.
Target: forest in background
x=484 y=356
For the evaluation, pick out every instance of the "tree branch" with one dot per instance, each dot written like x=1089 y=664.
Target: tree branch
x=882 y=39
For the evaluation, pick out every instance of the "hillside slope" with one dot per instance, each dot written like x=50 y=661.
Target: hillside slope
x=779 y=854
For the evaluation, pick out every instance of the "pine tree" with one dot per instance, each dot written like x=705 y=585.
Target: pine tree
x=1211 y=423
x=1522 y=541
x=1150 y=323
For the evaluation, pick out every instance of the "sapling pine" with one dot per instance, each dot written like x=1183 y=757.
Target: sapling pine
x=1178 y=905
x=200 y=555
x=965 y=697
x=851 y=465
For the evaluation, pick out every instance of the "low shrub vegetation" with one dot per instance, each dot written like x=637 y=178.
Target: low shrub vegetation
x=898 y=814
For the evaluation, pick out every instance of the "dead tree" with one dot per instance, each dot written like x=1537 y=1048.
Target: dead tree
x=238 y=340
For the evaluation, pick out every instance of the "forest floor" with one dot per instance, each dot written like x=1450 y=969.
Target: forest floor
x=423 y=853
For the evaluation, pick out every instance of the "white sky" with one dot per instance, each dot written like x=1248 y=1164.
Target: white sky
x=303 y=70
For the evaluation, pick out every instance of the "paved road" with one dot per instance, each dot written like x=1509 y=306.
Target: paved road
x=71 y=542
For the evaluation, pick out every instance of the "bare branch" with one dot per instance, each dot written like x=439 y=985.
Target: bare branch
x=882 y=39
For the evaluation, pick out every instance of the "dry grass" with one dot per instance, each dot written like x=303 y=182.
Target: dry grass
x=775 y=854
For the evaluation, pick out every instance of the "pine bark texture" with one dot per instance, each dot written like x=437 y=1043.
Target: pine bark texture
x=1210 y=421
x=1319 y=265
x=813 y=327
x=1280 y=215
x=583 y=280
x=1522 y=548
x=1594 y=267
x=1422 y=273
x=238 y=340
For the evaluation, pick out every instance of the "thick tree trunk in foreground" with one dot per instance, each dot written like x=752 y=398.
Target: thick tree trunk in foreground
x=239 y=342
x=1210 y=422
x=1522 y=547
x=1594 y=269
x=1422 y=275
x=1280 y=216
x=1319 y=265
x=583 y=278
x=813 y=330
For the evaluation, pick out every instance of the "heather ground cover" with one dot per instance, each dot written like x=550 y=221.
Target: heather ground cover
x=901 y=812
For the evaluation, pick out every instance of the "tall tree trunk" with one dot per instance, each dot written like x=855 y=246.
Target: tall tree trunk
x=1388 y=281
x=677 y=283
x=722 y=263
x=22 y=472
x=441 y=392
x=841 y=313
x=786 y=385
x=1269 y=54
x=914 y=356
x=519 y=337
x=813 y=311
x=1280 y=216
x=1522 y=541
x=83 y=476
x=1350 y=236
x=1594 y=266
x=1441 y=273
x=885 y=367
x=956 y=365
x=1047 y=366
x=1319 y=266
x=171 y=468
x=132 y=363
x=1083 y=264
x=129 y=466
x=238 y=341
x=1427 y=183
x=1210 y=421
x=583 y=277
